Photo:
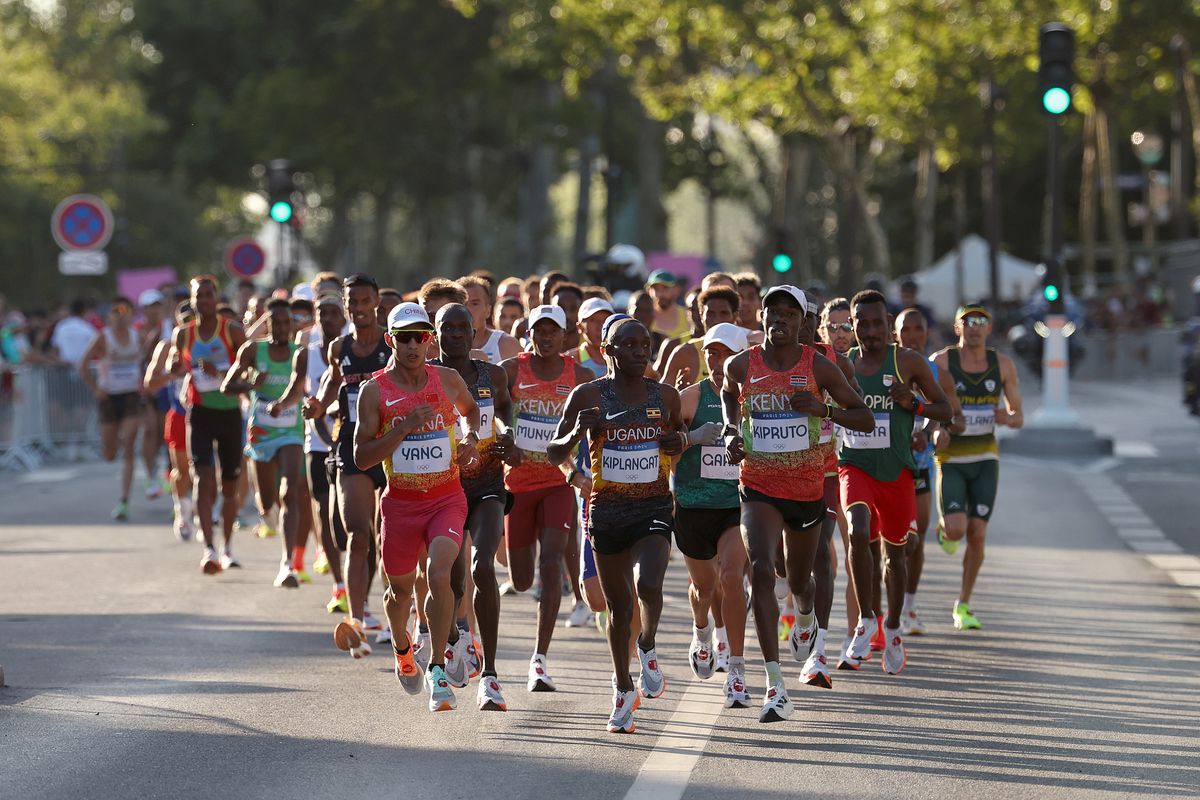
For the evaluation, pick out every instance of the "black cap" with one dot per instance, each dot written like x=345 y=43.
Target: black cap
x=359 y=279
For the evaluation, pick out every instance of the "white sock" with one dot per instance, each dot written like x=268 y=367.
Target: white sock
x=720 y=635
x=774 y=674
x=705 y=634
x=910 y=600
x=803 y=621
x=819 y=645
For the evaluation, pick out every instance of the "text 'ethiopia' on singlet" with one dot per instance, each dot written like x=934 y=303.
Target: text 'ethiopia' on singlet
x=978 y=393
x=885 y=451
x=631 y=476
x=704 y=478
x=782 y=456
x=422 y=467
x=538 y=406
x=355 y=370
x=485 y=477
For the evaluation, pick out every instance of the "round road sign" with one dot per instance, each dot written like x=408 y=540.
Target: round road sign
x=244 y=258
x=82 y=222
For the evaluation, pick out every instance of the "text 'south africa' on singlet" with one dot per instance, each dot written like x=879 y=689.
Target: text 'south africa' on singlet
x=537 y=408
x=631 y=477
x=261 y=426
x=422 y=467
x=886 y=450
x=484 y=477
x=704 y=478
x=205 y=389
x=355 y=370
x=978 y=393
x=783 y=459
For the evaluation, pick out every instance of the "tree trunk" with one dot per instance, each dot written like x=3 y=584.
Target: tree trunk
x=845 y=152
x=1193 y=101
x=796 y=169
x=960 y=233
x=1087 y=208
x=377 y=248
x=877 y=240
x=588 y=150
x=926 y=204
x=1110 y=195
x=651 y=215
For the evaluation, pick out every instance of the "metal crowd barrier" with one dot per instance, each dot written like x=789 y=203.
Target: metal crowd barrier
x=46 y=414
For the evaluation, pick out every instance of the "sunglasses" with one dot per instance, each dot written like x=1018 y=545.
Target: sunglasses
x=975 y=321
x=839 y=326
x=408 y=337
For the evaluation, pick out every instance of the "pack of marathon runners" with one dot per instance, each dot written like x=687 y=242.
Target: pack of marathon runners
x=426 y=440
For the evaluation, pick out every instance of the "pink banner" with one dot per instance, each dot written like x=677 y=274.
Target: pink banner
x=132 y=282
x=689 y=269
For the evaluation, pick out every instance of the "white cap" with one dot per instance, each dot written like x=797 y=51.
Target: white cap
x=593 y=305
x=407 y=314
x=631 y=257
x=552 y=313
x=149 y=297
x=732 y=336
x=302 y=291
x=792 y=291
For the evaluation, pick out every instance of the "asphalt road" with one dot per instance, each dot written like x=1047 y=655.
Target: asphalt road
x=131 y=675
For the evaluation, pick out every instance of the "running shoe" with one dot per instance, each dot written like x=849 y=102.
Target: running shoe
x=816 y=672
x=910 y=624
x=302 y=575
x=651 y=682
x=183 y=529
x=700 y=656
x=229 y=560
x=964 y=620
x=209 y=563
x=338 y=601
x=456 y=662
x=722 y=656
x=507 y=589
x=286 y=579
x=801 y=640
x=370 y=621
x=637 y=699
x=621 y=720
x=860 y=645
x=490 y=698
x=384 y=636
x=474 y=655
x=350 y=636
x=441 y=696
x=777 y=706
x=121 y=511
x=153 y=489
x=407 y=672
x=736 y=694
x=265 y=529
x=421 y=650
x=581 y=615
x=321 y=563
x=539 y=676
x=894 y=655
x=878 y=641
x=847 y=661
x=949 y=546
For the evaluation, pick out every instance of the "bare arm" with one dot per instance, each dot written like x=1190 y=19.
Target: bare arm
x=958 y=422
x=95 y=350
x=235 y=379
x=331 y=383
x=1014 y=413
x=580 y=415
x=853 y=413
x=295 y=387
x=509 y=346
x=914 y=365
x=684 y=360
x=501 y=400
x=156 y=376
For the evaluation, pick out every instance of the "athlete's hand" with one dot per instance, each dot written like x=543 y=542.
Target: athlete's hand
x=584 y=484
x=735 y=449
x=312 y=408
x=515 y=456
x=588 y=421
x=902 y=395
x=466 y=453
x=1001 y=415
x=941 y=439
x=418 y=418
x=208 y=368
x=707 y=434
x=504 y=445
x=920 y=441
x=807 y=403
x=683 y=379
x=671 y=442
x=260 y=380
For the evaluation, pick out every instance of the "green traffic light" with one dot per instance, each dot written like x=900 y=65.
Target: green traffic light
x=1050 y=292
x=782 y=262
x=1056 y=100
x=281 y=211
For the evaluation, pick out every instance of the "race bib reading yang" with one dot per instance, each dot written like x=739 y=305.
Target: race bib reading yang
x=422 y=454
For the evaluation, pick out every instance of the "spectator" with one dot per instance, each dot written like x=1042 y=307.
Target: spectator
x=72 y=335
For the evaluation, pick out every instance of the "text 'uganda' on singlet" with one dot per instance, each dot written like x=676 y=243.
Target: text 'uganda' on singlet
x=261 y=426
x=886 y=450
x=484 y=477
x=355 y=370
x=704 y=478
x=205 y=390
x=631 y=477
x=978 y=394
x=538 y=406
x=782 y=456
x=423 y=466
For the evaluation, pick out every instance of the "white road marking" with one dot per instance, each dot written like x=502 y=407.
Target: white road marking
x=1155 y=546
x=49 y=476
x=1141 y=532
x=1134 y=449
x=1188 y=578
x=1173 y=562
x=666 y=772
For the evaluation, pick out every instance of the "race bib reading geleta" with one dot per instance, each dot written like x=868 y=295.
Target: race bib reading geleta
x=879 y=438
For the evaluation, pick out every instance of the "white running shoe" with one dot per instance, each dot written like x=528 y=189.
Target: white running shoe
x=286 y=579
x=736 y=694
x=816 y=671
x=700 y=656
x=229 y=560
x=894 y=654
x=621 y=720
x=370 y=621
x=209 y=563
x=580 y=617
x=490 y=698
x=651 y=682
x=421 y=650
x=910 y=623
x=456 y=662
x=860 y=645
x=722 y=656
x=441 y=696
x=539 y=676
x=384 y=636
x=183 y=528
x=507 y=589
x=801 y=642
x=777 y=705
x=845 y=660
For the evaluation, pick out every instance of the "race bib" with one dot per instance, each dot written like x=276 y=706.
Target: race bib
x=422 y=454
x=981 y=420
x=878 y=439
x=124 y=376
x=487 y=412
x=714 y=463
x=826 y=431
x=778 y=432
x=630 y=463
x=533 y=432
x=287 y=418
x=351 y=410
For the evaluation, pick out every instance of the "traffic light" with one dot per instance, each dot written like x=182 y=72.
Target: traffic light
x=1056 y=73
x=781 y=257
x=280 y=187
x=1052 y=287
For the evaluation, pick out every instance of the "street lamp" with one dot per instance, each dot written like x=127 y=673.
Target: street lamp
x=1148 y=147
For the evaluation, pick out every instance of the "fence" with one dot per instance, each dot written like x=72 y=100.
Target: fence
x=46 y=413
x=1130 y=355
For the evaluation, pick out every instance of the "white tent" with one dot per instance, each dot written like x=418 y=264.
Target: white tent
x=939 y=283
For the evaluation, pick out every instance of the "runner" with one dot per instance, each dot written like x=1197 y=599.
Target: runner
x=117 y=388
x=569 y=297
x=876 y=468
x=274 y=374
x=388 y=299
x=204 y=349
x=509 y=312
x=175 y=427
x=634 y=430
x=407 y=422
x=543 y=500
x=969 y=463
x=772 y=412
x=594 y=312
x=353 y=359
x=717 y=304
x=749 y=288
x=497 y=344
x=483 y=483
x=156 y=328
x=709 y=519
